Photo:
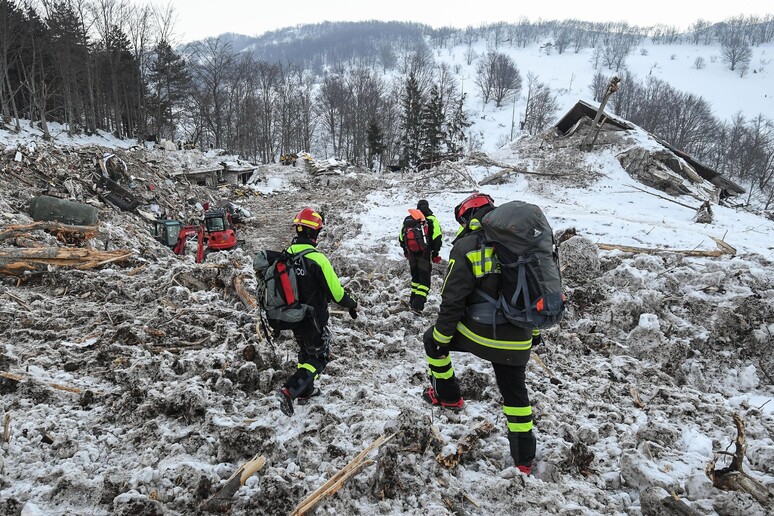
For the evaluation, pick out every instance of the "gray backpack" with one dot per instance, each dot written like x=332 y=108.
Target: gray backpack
x=279 y=285
x=531 y=294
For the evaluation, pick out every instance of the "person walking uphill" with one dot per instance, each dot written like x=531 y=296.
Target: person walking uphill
x=473 y=273
x=316 y=283
x=420 y=238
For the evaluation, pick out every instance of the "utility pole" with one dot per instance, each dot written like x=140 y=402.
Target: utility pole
x=591 y=137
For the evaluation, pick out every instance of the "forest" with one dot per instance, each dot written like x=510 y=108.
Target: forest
x=371 y=93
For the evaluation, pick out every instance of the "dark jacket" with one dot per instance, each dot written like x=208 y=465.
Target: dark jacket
x=318 y=283
x=473 y=266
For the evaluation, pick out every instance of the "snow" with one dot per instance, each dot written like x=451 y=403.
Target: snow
x=156 y=430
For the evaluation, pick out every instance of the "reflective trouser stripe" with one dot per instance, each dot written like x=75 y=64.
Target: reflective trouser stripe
x=310 y=368
x=441 y=368
x=440 y=337
x=535 y=332
x=519 y=418
x=419 y=289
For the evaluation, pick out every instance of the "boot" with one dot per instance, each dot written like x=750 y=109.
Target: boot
x=304 y=398
x=430 y=396
x=286 y=401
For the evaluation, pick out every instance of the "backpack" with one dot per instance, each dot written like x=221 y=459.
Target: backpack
x=279 y=285
x=416 y=232
x=531 y=294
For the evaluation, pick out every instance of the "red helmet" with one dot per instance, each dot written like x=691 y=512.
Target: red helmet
x=308 y=218
x=465 y=209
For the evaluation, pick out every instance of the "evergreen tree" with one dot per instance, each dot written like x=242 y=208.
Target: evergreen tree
x=457 y=124
x=69 y=46
x=375 y=143
x=432 y=123
x=411 y=118
x=169 y=81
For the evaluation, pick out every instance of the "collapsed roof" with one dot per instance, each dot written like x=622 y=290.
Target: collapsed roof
x=673 y=159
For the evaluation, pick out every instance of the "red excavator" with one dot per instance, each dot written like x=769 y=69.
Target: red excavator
x=215 y=234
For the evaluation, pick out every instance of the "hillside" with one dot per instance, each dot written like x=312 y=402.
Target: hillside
x=138 y=387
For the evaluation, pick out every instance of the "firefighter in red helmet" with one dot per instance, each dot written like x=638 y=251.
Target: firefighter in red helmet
x=317 y=286
x=473 y=273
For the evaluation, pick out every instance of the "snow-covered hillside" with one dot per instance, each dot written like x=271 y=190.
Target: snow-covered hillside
x=139 y=388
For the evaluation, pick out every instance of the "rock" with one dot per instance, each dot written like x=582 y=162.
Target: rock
x=579 y=260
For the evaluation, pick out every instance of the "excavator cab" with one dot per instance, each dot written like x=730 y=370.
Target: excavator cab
x=167 y=231
x=220 y=232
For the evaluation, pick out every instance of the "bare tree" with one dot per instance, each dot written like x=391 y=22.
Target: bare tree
x=541 y=106
x=211 y=63
x=736 y=53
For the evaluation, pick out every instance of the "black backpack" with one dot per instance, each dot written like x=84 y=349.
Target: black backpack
x=523 y=242
x=279 y=285
x=416 y=234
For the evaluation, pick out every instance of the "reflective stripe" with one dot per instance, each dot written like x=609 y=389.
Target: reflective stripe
x=520 y=427
x=439 y=362
x=510 y=345
x=517 y=411
x=308 y=367
x=482 y=266
x=535 y=332
x=313 y=223
x=445 y=375
x=451 y=267
x=440 y=337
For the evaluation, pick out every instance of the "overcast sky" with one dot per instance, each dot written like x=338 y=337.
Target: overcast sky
x=201 y=18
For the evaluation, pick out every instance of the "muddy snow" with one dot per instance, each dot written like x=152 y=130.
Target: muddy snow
x=140 y=388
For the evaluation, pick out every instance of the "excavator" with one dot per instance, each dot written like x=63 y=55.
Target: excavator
x=216 y=233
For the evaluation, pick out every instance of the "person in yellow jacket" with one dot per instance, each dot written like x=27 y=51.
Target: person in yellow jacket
x=420 y=238
x=473 y=268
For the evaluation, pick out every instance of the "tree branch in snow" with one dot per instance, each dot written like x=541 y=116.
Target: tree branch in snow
x=465 y=443
x=733 y=477
x=337 y=481
x=220 y=500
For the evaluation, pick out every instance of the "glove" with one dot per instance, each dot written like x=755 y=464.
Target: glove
x=537 y=338
x=353 y=313
x=436 y=259
x=433 y=348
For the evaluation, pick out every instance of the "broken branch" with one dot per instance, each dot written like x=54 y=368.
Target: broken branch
x=20 y=378
x=222 y=498
x=465 y=443
x=337 y=481
x=733 y=477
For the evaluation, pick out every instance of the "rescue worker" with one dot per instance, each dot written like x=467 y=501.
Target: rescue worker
x=420 y=259
x=317 y=285
x=473 y=266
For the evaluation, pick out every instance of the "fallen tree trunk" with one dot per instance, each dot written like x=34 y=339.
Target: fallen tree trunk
x=733 y=478
x=247 y=299
x=337 y=481
x=63 y=232
x=14 y=262
x=725 y=250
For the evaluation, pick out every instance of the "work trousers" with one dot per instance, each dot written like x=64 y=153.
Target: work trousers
x=511 y=381
x=421 y=266
x=313 y=356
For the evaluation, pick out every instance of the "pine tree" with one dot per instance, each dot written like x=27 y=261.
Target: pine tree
x=411 y=119
x=432 y=122
x=375 y=143
x=458 y=123
x=169 y=80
